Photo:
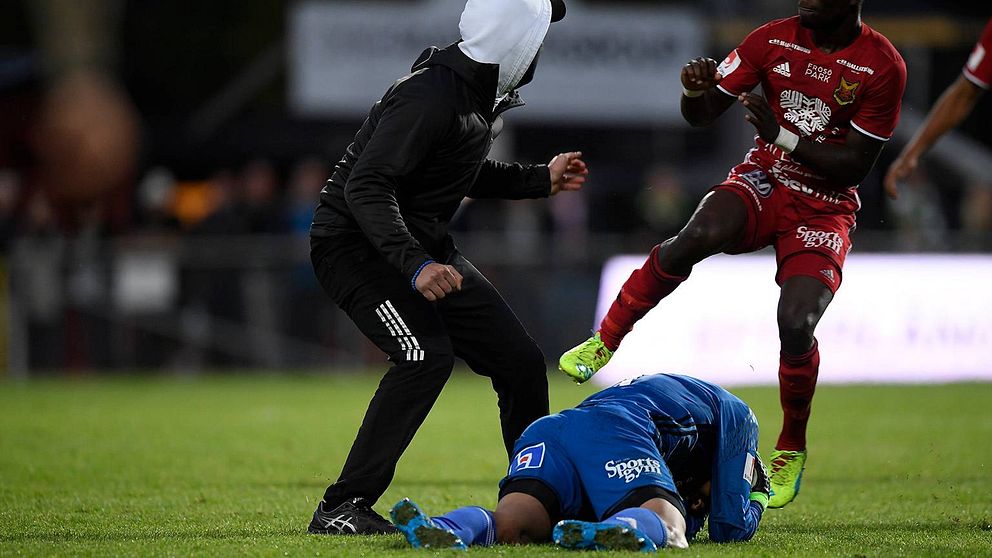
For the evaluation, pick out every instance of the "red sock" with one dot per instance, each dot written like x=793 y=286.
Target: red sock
x=643 y=290
x=796 y=384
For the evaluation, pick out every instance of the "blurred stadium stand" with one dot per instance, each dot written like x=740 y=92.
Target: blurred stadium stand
x=196 y=257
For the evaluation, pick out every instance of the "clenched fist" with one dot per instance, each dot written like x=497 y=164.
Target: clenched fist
x=437 y=281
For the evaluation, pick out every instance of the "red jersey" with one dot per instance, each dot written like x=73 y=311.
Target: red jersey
x=818 y=96
x=978 y=70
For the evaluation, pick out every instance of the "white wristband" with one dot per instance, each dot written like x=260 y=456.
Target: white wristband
x=786 y=140
x=691 y=94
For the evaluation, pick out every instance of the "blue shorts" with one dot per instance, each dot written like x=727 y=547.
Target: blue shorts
x=592 y=458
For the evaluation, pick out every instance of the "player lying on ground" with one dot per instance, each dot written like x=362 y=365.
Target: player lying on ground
x=833 y=88
x=637 y=466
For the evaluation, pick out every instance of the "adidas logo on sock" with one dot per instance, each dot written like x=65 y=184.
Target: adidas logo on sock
x=783 y=69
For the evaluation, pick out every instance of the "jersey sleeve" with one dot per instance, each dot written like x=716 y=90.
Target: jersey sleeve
x=742 y=68
x=978 y=69
x=733 y=515
x=879 y=112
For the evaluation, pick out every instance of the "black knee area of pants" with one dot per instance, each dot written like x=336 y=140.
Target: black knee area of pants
x=434 y=366
x=531 y=356
x=539 y=490
x=523 y=368
x=642 y=494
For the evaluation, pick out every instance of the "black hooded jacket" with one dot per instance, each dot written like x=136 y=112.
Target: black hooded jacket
x=421 y=150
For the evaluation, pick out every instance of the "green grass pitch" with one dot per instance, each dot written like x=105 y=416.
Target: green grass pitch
x=232 y=466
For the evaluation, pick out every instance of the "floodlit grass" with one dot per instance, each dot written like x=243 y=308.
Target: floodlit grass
x=233 y=465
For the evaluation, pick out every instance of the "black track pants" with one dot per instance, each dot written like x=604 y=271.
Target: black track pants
x=422 y=339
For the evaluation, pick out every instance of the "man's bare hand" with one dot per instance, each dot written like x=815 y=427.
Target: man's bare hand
x=901 y=169
x=568 y=172
x=760 y=115
x=437 y=281
x=700 y=74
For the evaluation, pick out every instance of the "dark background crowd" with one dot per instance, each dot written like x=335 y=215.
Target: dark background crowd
x=156 y=186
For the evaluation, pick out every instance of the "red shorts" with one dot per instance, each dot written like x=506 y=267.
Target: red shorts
x=808 y=241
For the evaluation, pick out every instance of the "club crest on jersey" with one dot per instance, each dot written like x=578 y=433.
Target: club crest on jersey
x=844 y=94
x=531 y=457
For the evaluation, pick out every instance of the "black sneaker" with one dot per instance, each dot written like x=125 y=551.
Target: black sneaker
x=354 y=517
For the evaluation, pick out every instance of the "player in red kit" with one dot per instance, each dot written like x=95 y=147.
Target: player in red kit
x=954 y=105
x=833 y=88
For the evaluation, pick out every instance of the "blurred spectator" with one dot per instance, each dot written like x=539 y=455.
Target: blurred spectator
x=301 y=317
x=260 y=201
x=210 y=207
x=39 y=218
x=155 y=199
x=10 y=188
x=306 y=181
x=663 y=203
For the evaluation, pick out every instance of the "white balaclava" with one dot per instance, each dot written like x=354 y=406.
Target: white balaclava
x=505 y=32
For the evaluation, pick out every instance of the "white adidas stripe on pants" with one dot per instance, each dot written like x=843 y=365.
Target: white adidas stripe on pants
x=399 y=330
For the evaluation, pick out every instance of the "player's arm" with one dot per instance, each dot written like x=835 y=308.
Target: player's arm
x=513 y=181
x=842 y=164
x=739 y=500
x=702 y=102
x=409 y=127
x=954 y=105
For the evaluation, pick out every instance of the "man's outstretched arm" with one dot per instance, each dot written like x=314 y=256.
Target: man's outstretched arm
x=513 y=181
x=738 y=500
x=954 y=105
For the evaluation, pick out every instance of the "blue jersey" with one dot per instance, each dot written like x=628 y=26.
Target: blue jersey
x=648 y=432
x=698 y=423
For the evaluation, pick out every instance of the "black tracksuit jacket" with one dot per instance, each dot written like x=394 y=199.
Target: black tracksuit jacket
x=421 y=150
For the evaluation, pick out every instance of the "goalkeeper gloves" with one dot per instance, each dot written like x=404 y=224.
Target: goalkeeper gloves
x=760 y=483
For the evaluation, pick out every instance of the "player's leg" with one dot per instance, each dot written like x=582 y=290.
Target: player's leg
x=457 y=529
x=811 y=253
x=627 y=482
x=407 y=328
x=647 y=520
x=802 y=303
x=519 y=519
x=488 y=336
x=718 y=224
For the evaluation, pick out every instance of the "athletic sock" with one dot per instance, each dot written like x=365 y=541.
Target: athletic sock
x=475 y=526
x=643 y=290
x=797 y=382
x=644 y=520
